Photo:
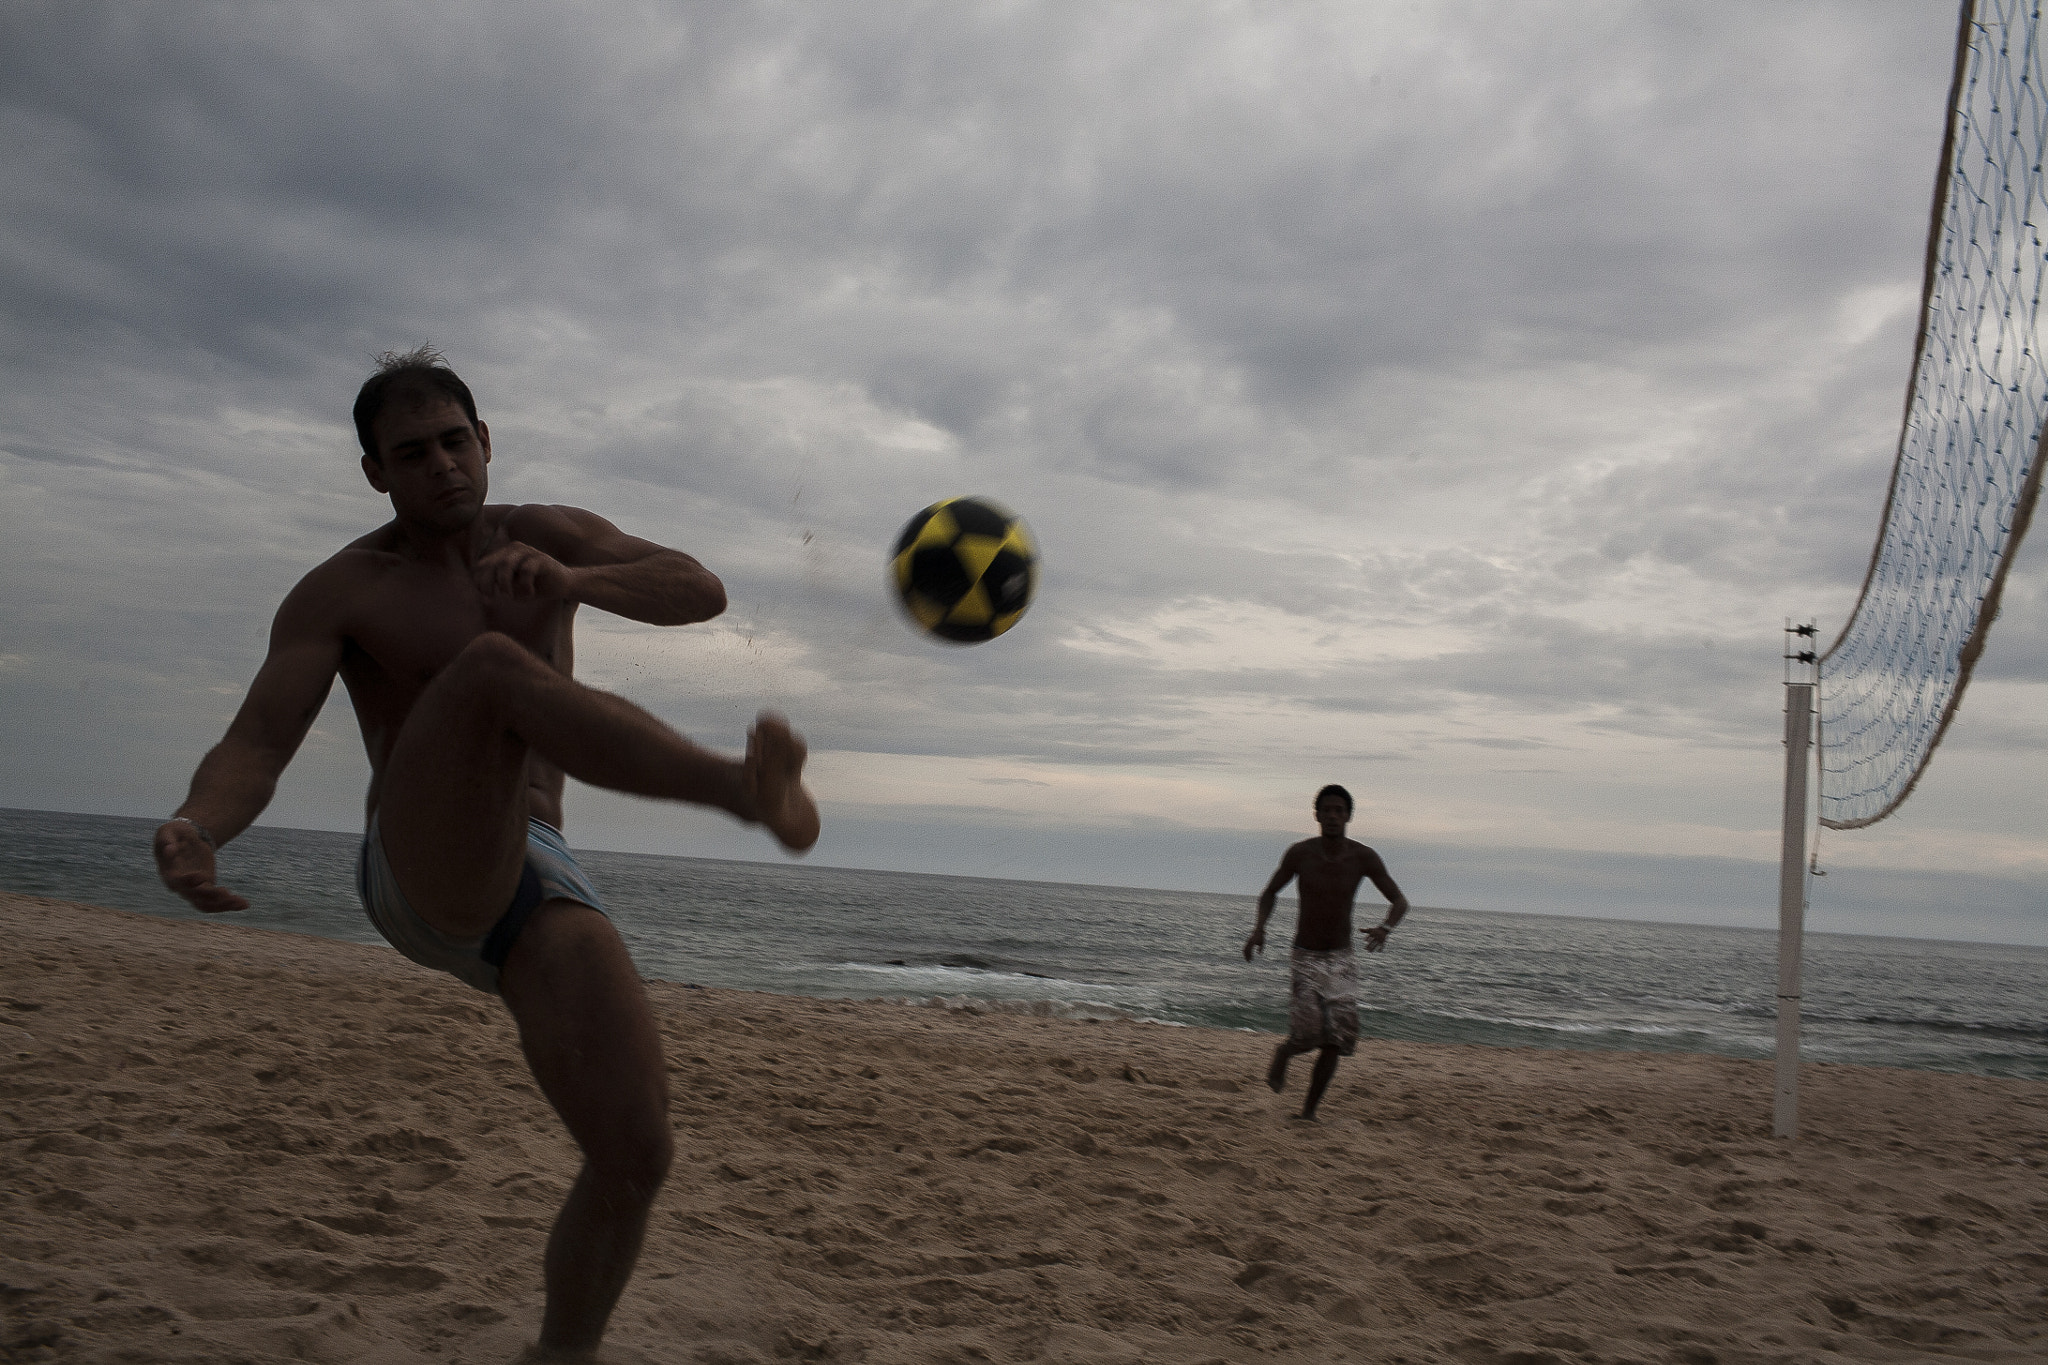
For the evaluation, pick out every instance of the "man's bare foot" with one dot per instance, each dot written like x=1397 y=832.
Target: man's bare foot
x=775 y=765
x=1276 y=1074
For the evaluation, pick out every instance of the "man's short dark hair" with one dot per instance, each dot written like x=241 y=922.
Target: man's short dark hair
x=1334 y=790
x=423 y=367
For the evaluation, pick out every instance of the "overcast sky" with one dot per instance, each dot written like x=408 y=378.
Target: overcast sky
x=1448 y=400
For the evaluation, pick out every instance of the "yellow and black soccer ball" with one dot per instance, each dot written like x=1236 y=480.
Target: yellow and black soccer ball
x=964 y=569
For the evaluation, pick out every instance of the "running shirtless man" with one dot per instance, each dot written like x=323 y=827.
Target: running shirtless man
x=1322 y=1011
x=451 y=627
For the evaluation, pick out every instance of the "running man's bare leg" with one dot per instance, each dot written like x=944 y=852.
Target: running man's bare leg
x=1276 y=1074
x=1285 y=1052
x=590 y=1037
x=452 y=799
x=1319 y=1080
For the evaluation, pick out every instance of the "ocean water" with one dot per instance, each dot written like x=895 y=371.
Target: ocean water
x=969 y=943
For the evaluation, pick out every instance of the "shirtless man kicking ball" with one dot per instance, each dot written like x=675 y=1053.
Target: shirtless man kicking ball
x=451 y=628
x=1322 y=1014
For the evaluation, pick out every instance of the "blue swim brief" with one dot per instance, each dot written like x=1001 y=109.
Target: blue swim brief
x=549 y=873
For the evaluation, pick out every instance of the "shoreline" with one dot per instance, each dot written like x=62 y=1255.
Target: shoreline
x=231 y=1142
x=1952 y=1006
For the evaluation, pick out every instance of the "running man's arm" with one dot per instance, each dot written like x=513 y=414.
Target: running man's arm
x=238 y=776
x=1282 y=875
x=1397 y=904
x=571 y=555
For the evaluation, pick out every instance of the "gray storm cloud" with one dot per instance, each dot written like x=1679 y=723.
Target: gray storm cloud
x=1403 y=390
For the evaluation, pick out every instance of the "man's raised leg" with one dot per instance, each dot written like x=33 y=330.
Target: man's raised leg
x=591 y=1040
x=452 y=800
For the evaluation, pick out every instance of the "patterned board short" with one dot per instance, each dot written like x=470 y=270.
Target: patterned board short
x=1323 y=1000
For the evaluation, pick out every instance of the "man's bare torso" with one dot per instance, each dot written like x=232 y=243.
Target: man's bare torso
x=1327 y=883
x=402 y=620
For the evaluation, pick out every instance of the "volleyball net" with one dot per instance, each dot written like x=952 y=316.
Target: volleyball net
x=1968 y=465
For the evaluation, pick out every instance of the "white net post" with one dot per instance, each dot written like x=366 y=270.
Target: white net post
x=1792 y=905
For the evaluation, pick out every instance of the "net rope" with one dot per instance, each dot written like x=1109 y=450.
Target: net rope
x=1968 y=464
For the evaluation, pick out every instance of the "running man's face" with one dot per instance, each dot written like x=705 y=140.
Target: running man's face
x=1332 y=816
x=432 y=461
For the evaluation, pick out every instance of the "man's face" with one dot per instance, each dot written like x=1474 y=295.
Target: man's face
x=1332 y=816
x=432 y=461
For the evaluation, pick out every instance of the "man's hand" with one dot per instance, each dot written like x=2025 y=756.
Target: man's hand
x=185 y=862
x=1376 y=938
x=1256 y=943
x=519 y=571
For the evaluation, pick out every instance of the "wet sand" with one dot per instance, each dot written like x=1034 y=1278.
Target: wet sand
x=225 y=1144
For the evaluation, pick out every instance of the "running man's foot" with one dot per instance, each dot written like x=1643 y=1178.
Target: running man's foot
x=775 y=765
x=1276 y=1074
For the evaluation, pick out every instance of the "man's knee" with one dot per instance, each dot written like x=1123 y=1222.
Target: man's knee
x=634 y=1158
x=624 y=1134
x=490 y=655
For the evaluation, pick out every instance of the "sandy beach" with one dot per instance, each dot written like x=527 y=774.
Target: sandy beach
x=225 y=1144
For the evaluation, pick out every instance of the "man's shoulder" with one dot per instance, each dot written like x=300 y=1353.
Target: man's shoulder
x=524 y=520
x=383 y=540
x=370 y=553
x=353 y=564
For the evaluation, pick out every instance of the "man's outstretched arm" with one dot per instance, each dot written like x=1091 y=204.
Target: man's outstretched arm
x=571 y=555
x=1397 y=904
x=238 y=776
x=1282 y=875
